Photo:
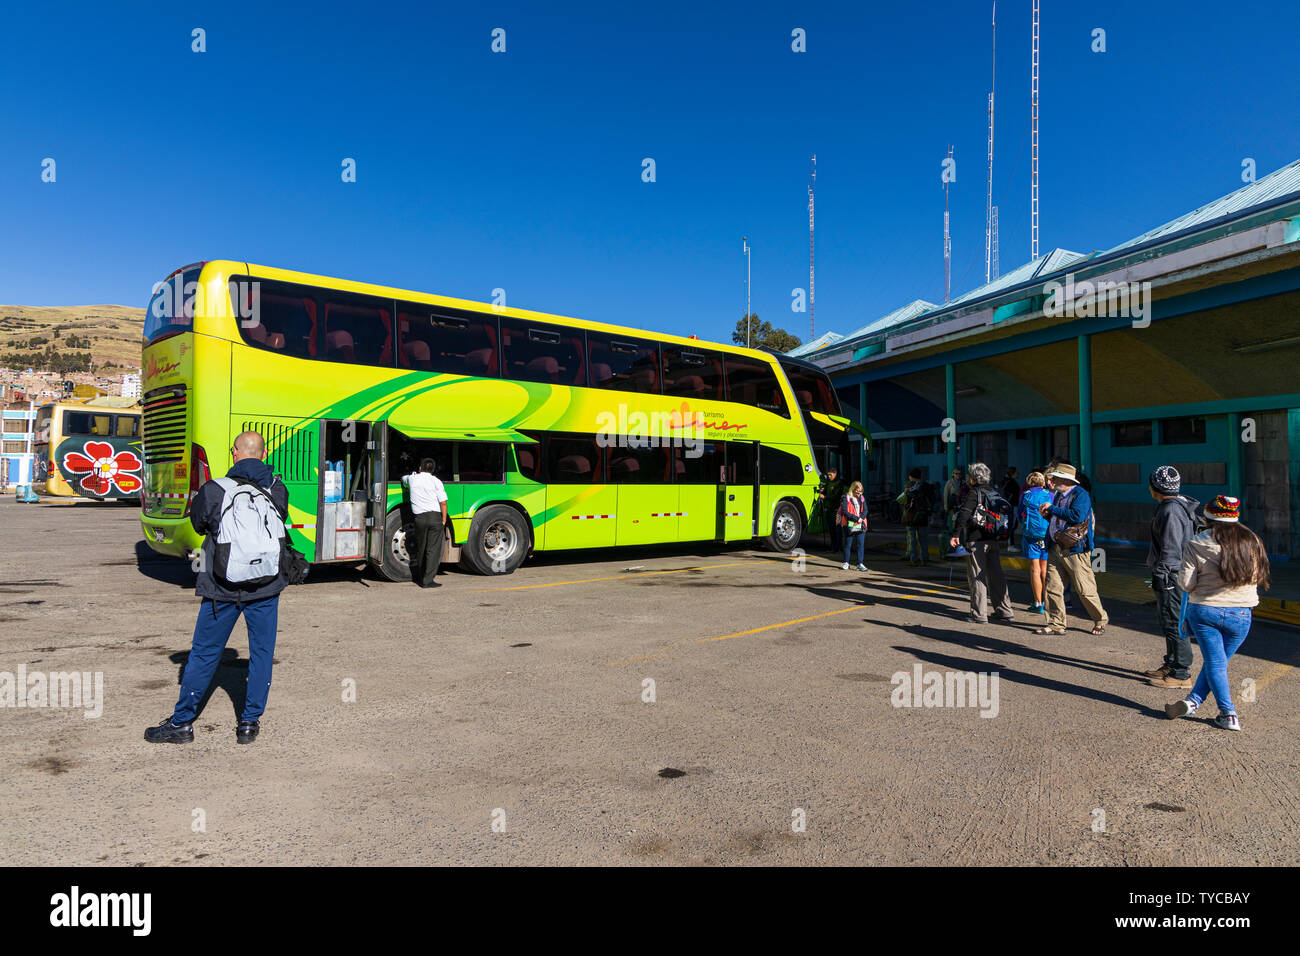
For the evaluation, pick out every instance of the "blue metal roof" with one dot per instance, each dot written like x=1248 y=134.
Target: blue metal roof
x=910 y=311
x=1275 y=185
x=830 y=338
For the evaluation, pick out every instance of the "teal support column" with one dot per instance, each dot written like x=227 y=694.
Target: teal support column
x=1084 y=460
x=896 y=468
x=950 y=410
x=863 y=420
x=1040 y=448
x=1235 y=457
x=1074 y=445
x=1293 y=456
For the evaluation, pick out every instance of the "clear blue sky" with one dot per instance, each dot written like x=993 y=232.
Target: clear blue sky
x=522 y=170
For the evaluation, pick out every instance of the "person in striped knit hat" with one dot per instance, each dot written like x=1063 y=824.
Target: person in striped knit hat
x=1222 y=571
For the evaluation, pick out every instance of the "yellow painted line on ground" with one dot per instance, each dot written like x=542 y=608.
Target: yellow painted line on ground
x=1276 y=672
x=815 y=617
x=614 y=577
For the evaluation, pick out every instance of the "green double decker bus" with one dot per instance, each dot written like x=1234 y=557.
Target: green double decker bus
x=549 y=433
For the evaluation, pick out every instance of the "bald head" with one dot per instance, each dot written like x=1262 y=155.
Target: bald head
x=249 y=445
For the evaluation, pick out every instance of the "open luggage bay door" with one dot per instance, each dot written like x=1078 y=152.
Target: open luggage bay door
x=377 y=499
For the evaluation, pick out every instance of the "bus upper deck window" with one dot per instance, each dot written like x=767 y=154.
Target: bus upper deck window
x=285 y=321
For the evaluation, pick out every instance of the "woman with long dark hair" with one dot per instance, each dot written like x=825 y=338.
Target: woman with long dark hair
x=1223 y=569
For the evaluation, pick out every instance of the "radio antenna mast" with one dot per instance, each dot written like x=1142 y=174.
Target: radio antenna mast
x=989 y=240
x=812 y=299
x=1033 y=189
x=947 y=239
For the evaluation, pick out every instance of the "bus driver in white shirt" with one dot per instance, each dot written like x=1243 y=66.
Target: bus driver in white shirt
x=429 y=506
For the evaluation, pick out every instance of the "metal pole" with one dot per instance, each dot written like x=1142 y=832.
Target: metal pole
x=1085 y=404
x=748 y=276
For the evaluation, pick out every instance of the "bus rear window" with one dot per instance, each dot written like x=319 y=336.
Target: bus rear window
x=171 y=307
x=86 y=423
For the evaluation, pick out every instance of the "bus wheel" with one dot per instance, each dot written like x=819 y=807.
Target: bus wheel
x=787 y=527
x=497 y=542
x=397 y=563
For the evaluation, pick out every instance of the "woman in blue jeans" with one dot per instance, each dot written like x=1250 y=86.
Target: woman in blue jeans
x=853 y=514
x=1223 y=568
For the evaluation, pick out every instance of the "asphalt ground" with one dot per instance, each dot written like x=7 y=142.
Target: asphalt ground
x=510 y=720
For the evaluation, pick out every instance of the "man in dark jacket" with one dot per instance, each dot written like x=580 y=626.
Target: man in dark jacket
x=1172 y=526
x=828 y=500
x=1071 y=505
x=222 y=605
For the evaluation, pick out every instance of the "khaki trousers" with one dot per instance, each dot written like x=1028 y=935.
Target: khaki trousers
x=987 y=583
x=1077 y=569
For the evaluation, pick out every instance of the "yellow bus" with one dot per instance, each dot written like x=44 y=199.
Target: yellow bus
x=549 y=433
x=88 y=448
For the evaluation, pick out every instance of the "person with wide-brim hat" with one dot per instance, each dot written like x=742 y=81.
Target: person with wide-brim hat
x=1071 y=506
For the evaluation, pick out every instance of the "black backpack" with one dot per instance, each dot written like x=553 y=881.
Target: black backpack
x=992 y=516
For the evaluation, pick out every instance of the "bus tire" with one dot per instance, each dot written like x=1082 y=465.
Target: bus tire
x=497 y=542
x=787 y=527
x=397 y=563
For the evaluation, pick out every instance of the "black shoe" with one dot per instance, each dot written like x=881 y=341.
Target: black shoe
x=976 y=620
x=1004 y=617
x=169 y=733
x=246 y=732
x=435 y=584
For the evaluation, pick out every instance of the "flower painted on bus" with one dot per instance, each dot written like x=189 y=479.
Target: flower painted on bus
x=104 y=469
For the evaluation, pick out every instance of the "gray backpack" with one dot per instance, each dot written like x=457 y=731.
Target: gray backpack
x=249 y=536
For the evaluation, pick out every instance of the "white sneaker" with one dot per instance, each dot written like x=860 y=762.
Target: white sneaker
x=862 y=567
x=1227 y=722
x=1180 y=708
x=844 y=566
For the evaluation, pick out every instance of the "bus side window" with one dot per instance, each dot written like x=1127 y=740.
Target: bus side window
x=478 y=461
x=693 y=373
x=754 y=383
x=698 y=465
x=640 y=466
x=528 y=459
x=533 y=352
x=573 y=460
x=285 y=321
x=629 y=365
x=358 y=330
x=429 y=341
x=778 y=467
x=127 y=426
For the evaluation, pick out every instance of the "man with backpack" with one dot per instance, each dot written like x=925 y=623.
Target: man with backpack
x=1174 y=523
x=242 y=570
x=983 y=522
x=917 y=506
x=1069 y=552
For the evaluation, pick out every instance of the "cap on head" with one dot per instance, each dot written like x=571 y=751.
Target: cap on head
x=1166 y=480
x=1224 y=508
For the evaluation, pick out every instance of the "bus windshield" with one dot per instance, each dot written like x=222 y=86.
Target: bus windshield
x=171 y=308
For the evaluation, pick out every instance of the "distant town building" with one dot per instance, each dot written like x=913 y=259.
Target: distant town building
x=131 y=386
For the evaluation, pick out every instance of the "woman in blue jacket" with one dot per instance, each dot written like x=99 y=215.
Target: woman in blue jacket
x=1033 y=537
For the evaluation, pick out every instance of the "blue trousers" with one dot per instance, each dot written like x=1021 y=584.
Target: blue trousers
x=852 y=538
x=1220 y=631
x=211 y=632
